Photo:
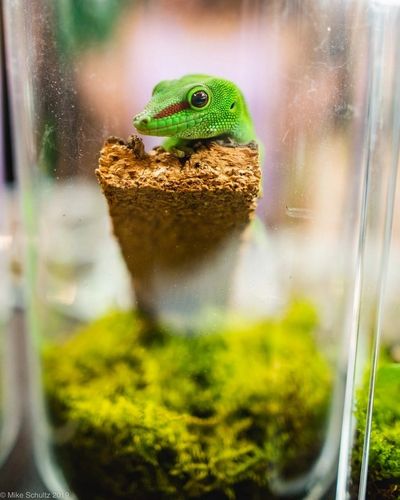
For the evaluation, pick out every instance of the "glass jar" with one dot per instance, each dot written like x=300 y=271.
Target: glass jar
x=223 y=374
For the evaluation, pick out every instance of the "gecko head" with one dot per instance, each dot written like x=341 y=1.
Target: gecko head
x=193 y=107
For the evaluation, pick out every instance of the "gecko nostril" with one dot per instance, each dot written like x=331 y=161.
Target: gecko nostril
x=140 y=120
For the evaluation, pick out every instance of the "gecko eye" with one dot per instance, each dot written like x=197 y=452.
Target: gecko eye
x=233 y=105
x=199 y=99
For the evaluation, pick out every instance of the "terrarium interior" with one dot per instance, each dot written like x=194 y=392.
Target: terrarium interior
x=190 y=312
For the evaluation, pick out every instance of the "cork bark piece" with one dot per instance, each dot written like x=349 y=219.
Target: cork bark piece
x=172 y=215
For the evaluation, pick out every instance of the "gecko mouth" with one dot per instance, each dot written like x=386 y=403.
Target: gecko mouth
x=161 y=120
x=166 y=125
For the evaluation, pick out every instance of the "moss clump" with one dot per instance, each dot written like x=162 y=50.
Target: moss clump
x=384 y=457
x=207 y=416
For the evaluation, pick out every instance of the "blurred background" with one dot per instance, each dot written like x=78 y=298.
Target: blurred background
x=305 y=79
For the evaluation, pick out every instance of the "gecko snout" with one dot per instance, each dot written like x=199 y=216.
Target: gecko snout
x=140 y=121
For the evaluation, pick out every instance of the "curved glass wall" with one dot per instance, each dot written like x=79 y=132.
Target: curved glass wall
x=370 y=459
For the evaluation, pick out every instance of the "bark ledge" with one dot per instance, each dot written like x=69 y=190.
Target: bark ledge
x=172 y=216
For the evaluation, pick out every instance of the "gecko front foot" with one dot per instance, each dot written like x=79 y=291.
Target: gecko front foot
x=178 y=147
x=181 y=152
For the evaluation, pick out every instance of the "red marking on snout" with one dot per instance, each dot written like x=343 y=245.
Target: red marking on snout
x=172 y=109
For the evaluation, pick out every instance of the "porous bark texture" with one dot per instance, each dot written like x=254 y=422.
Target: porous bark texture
x=174 y=216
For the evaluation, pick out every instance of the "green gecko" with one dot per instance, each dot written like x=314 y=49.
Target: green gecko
x=196 y=107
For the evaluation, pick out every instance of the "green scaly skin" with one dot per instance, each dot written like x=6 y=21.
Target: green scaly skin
x=196 y=107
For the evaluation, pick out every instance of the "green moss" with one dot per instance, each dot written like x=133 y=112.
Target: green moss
x=207 y=416
x=384 y=457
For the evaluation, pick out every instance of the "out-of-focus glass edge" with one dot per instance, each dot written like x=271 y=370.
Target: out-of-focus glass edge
x=352 y=335
x=20 y=85
x=8 y=377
